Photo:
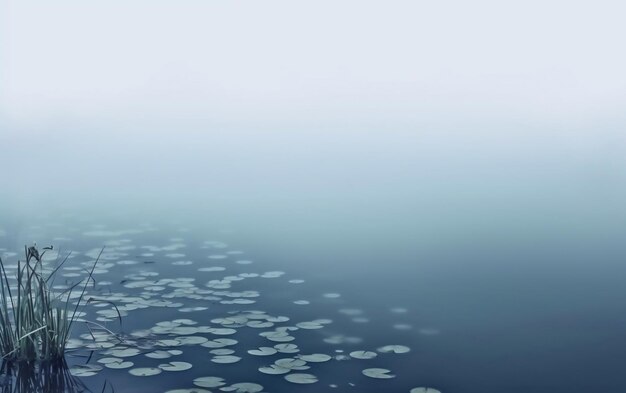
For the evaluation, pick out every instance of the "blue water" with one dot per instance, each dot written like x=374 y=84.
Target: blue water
x=538 y=305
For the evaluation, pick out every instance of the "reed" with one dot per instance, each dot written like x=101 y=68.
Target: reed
x=35 y=323
x=41 y=377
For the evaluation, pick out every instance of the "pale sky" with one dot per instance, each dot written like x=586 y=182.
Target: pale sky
x=263 y=63
x=311 y=96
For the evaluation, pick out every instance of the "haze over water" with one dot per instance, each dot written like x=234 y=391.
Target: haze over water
x=456 y=172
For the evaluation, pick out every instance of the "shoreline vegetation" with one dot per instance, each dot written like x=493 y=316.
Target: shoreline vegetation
x=35 y=321
x=40 y=376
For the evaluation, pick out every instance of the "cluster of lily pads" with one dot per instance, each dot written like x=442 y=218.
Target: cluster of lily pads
x=210 y=284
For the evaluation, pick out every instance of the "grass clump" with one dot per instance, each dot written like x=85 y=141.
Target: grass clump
x=35 y=323
x=41 y=377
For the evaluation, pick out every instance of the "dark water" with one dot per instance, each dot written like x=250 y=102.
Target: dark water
x=538 y=305
x=497 y=262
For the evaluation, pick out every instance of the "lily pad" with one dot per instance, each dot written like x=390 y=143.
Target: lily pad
x=274 y=370
x=222 y=351
x=145 y=371
x=124 y=353
x=379 y=373
x=209 y=382
x=394 y=349
x=287 y=348
x=262 y=351
x=119 y=365
x=243 y=387
x=225 y=359
x=315 y=358
x=85 y=370
x=363 y=354
x=109 y=360
x=159 y=355
x=301 y=378
x=292 y=364
x=175 y=366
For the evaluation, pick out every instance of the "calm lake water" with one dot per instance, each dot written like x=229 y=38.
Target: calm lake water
x=525 y=300
x=457 y=263
x=324 y=196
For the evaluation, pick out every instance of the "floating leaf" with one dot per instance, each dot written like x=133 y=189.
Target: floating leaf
x=243 y=387
x=380 y=373
x=225 y=359
x=301 y=378
x=145 y=371
x=287 y=348
x=85 y=370
x=175 y=366
x=315 y=358
x=292 y=364
x=192 y=340
x=124 y=353
x=262 y=351
x=309 y=325
x=109 y=360
x=158 y=355
x=219 y=343
x=394 y=349
x=274 y=370
x=363 y=354
x=119 y=365
x=222 y=351
x=209 y=382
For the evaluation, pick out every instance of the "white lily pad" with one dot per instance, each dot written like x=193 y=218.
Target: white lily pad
x=184 y=330
x=274 y=370
x=219 y=343
x=85 y=370
x=315 y=358
x=222 y=351
x=168 y=343
x=262 y=351
x=292 y=364
x=394 y=349
x=363 y=354
x=159 y=355
x=225 y=359
x=209 y=382
x=243 y=387
x=223 y=331
x=145 y=371
x=309 y=325
x=119 y=365
x=287 y=348
x=175 y=366
x=124 y=353
x=379 y=373
x=192 y=340
x=424 y=390
x=301 y=378
x=109 y=360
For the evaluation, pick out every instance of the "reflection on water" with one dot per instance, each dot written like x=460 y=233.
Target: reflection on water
x=200 y=313
x=45 y=377
x=298 y=303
